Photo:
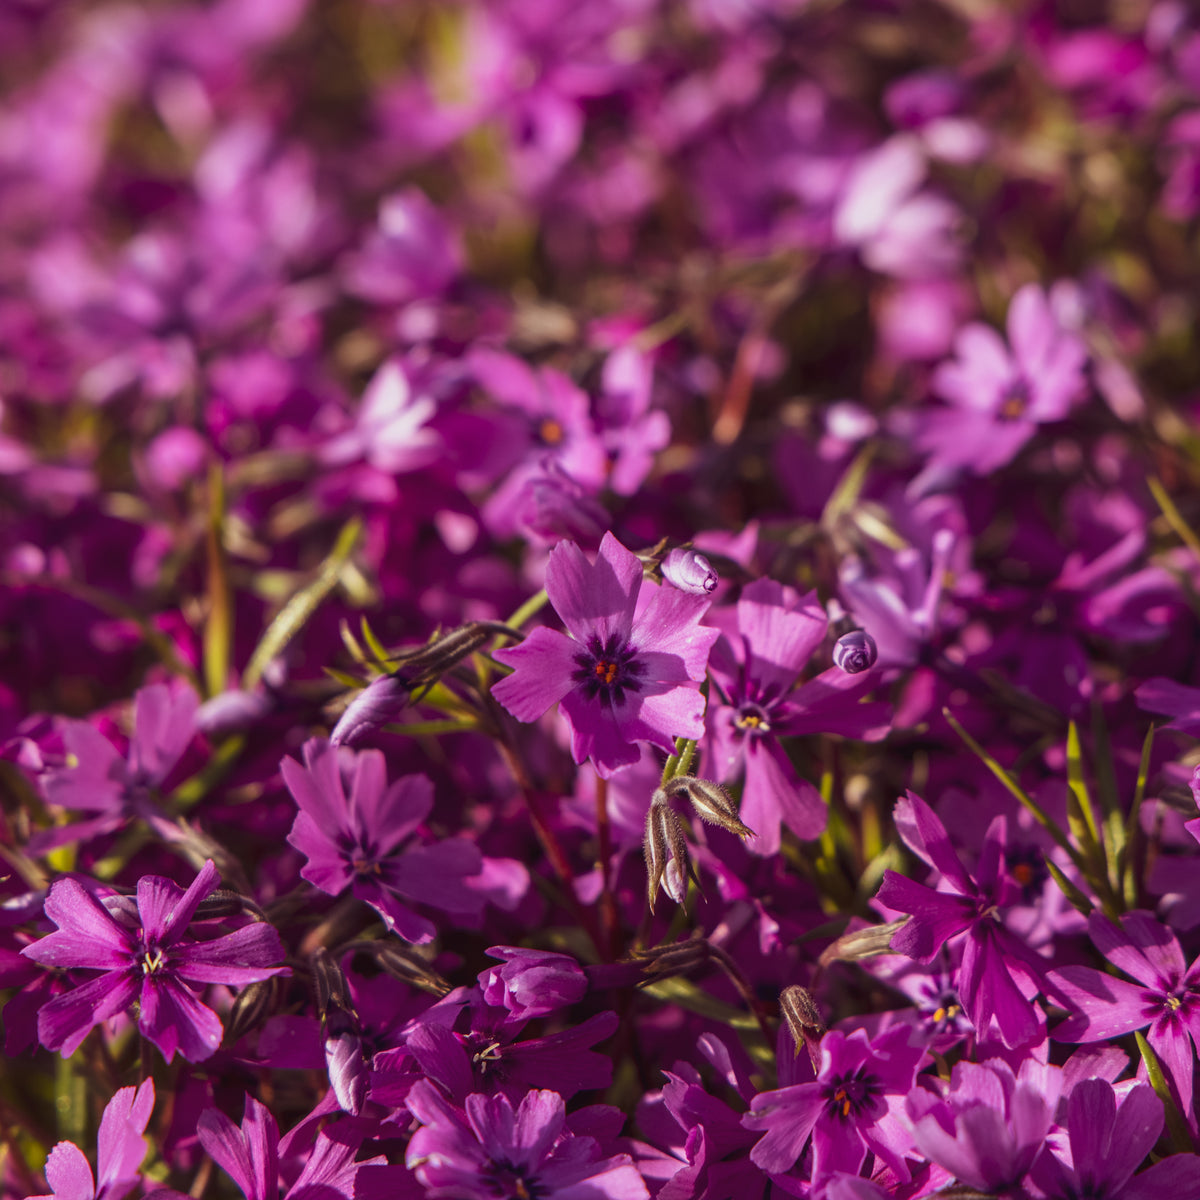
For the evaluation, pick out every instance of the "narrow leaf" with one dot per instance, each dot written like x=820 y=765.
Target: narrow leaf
x=297 y=611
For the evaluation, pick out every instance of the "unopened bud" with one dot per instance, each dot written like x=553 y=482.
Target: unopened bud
x=690 y=572
x=862 y=943
x=711 y=802
x=379 y=702
x=232 y=712
x=385 y=698
x=251 y=1007
x=408 y=967
x=804 y=1021
x=855 y=652
x=341 y=1033
x=674 y=958
x=665 y=848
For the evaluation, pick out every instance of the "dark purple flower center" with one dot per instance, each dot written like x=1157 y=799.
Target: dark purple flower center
x=852 y=1095
x=607 y=670
x=511 y=1183
x=1014 y=400
x=753 y=720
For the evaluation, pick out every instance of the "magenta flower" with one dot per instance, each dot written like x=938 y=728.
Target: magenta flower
x=1108 y=1143
x=114 y=789
x=121 y=1148
x=990 y=1125
x=146 y=960
x=1166 y=996
x=992 y=957
x=848 y=1110
x=250 y=1155
x=489 y=1150
x=358 y=833
x=756 y=666
x=630 y=671
x=1000 y=393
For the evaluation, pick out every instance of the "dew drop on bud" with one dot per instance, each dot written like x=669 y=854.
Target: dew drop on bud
x=855 y=652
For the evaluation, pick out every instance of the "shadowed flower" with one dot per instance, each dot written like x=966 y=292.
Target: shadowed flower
x=490 y=1151
x=1166 y=996
x=113 y=789
x=357 y=833
x=1109 y=1143
x=992 y=957
x=848 y=1110
x=1000 y=392
x=990 y=1125
x=121 y=1147
x=756 y=665
x=630 y=671
x=146 y=960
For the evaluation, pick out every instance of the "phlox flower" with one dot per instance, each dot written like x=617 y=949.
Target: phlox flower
x=113 y=788
x=121 y=1150
x=1166 y=996
x=145 y=959
x=358 y=834
x=629 y=672
x=755 y=666
x=1108 y=1142
x=990 y=1124
x=992 y=956
x=489 y=1150
x=848 y=1110
x=1001 y=392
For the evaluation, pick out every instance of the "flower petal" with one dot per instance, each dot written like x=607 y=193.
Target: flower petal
x=594 y=600
x=543 y=669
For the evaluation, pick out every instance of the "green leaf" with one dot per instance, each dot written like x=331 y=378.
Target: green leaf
x=1039 y=814
x=1077 y=899
x=1133 y=827
x=218 y=626
x=1158 y=1081
x=382 y=658
x=296 y=612
x=1173 y=515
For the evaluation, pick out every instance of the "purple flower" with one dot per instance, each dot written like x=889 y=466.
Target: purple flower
x=990 y=1125
x=121 y=1146
x=489 y=1151
x=630 y=671
x=848 y=1110
x=146 y=960
x=1108 y=1143
x=755 y=666
x=532 y=983
x=113 y=788
x=1001 y=393
x=358 y=833
x=1166 y=996
x=992 y=957
x=250 y=1155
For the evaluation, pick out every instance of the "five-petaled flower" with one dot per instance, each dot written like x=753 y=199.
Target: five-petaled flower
x=146 y=962
x=630 y=671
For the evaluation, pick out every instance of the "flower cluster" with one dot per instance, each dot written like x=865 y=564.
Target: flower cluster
x=598 y=600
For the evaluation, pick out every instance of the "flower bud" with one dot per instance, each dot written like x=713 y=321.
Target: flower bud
x=665 y=848
x=804 y=1021
x=855 y=652
x=340 y=1031
x=532 y=983
x=231 y=712
x=711 y=803
x=690 y=572
x=378 y=703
